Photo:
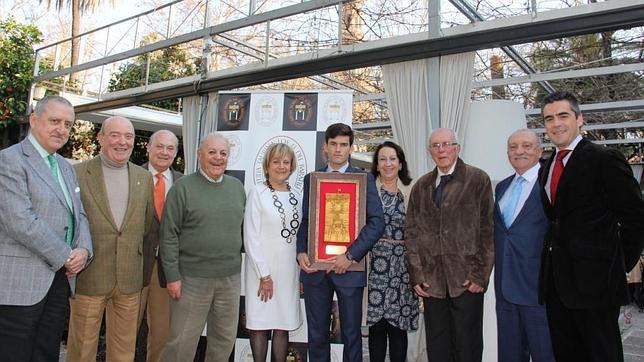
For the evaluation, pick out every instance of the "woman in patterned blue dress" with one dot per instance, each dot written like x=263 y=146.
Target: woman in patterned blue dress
x=393 y=306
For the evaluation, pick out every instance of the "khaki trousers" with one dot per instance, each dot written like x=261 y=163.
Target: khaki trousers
x=86 y=315
x=214 y=300
x=155 y=305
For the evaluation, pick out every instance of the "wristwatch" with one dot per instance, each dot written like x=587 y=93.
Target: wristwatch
x=349 y=256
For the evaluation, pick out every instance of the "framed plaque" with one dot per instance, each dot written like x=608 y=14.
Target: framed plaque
x=337 y=213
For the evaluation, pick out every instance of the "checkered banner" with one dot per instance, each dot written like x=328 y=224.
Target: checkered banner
x=252 y=122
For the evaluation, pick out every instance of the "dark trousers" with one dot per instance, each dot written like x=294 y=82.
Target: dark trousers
x=379 y=333
x=34 y=333
x=318 y=299
x=523 y=333
x=590 y=335
x=454 y=328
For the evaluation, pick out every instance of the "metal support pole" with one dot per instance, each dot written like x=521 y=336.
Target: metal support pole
x=136 y=30
x=147 y=69
x=206 y=15
x=167 y=32
x=100 y=83
x=434 y=76
x=268 y=43
x=340 y=25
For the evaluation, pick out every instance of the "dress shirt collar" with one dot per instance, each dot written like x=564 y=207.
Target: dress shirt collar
x=441 y=173
x=41 y=150
x=342 y=169
x=210 y=179
x=572 y=144
x=530 y=175
x=167 y=174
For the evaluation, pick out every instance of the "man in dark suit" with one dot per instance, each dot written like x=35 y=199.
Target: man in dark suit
x=155 y=302
x=596 y=235
x=348 y=285
x=519 y=228
x=44 y=236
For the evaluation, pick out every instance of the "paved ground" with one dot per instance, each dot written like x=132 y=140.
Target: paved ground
x=631 y=322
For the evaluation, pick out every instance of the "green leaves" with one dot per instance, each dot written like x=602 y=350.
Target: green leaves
x=16 y=68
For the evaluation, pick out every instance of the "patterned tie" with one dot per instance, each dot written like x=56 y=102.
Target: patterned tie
x=513 y=200
x=53 y=167
x=159 y=194
x=556 y=174
x=438 y=193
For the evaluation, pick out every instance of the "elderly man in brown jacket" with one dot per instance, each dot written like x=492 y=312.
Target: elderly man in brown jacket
x=450 y=245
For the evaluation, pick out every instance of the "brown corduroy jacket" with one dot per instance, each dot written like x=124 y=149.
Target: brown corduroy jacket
x=455 y=243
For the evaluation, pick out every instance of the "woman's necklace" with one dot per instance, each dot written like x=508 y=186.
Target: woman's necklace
x=393 y=200
x=287 y=234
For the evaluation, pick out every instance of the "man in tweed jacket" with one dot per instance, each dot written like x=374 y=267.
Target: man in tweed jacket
x=44 y=236
x=118 y=198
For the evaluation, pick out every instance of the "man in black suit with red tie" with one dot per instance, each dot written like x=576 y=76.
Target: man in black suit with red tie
x=596 y=235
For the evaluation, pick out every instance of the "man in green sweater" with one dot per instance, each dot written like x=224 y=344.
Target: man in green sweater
x=200 y=249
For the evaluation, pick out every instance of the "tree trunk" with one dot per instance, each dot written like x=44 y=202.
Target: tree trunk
x=76 y=18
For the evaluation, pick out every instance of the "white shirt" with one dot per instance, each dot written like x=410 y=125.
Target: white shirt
x=342 y=169
x=531 y=177
x=440 y=173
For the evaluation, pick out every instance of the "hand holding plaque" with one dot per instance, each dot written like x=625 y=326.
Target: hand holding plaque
x=337 y=213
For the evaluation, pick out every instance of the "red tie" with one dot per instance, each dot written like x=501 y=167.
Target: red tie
x=159 y=195
x=556 y=174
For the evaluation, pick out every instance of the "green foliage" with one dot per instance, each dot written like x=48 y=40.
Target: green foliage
x=166 y=64
x=16 y=68
x=589 y=51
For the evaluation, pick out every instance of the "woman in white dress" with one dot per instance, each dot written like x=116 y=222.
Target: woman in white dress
x=271 y=220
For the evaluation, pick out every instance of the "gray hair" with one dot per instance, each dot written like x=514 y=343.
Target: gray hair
x=110 y=119
x=40 y=106
x=528 y=131
x=213 y=135
x=454 y=136
x=162 y=131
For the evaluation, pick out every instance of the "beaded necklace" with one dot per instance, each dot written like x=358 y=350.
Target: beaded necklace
x=287 y=234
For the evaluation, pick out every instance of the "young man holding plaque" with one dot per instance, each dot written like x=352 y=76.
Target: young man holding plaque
x=348 y=285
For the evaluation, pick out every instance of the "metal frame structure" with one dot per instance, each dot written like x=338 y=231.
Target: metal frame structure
x=536 y=26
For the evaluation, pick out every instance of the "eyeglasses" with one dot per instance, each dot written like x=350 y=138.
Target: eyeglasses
x=438 y=146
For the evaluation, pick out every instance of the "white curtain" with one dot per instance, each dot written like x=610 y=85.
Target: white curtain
x=456 y=72
x=210 y=123
x=190 y=114
x=408 y=105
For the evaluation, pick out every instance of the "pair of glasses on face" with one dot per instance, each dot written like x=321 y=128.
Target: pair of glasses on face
x=439 y=145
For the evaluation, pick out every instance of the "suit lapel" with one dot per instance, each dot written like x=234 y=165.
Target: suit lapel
x=529 y=202
x=503 y=187
x=543 y=179
x=133 y=194
x=98 y=191
x=573 y=167
x=42 y=170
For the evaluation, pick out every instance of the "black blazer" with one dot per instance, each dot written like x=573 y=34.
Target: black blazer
x=597 y=228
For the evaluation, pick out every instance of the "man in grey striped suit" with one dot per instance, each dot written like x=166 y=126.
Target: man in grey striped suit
x=44 y=236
